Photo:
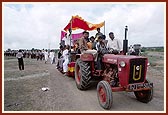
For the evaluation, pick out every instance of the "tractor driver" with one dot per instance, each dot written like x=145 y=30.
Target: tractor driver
x=114 y=45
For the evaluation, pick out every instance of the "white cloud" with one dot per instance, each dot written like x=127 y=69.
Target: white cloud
x=37 y=25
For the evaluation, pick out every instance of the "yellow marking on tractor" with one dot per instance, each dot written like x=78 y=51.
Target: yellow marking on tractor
x=136 y=73
x=71 y=69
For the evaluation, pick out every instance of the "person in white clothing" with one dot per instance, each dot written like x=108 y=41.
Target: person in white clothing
x=114 y=44
x=52 y=56
x=46 y=56
x=66 y=60
x=19 y=55
x=66 y=39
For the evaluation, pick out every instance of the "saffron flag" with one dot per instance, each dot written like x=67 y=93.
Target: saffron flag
x=74 y=36
x=78 y=23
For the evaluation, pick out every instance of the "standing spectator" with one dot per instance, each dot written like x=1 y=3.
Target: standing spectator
x=52 y=53
x=43 y=58
x=24 y=53
x=46 y=56
x=19 y=55
x=31 y=54
x=41 y=55
x=37 y=55
x=59 y=56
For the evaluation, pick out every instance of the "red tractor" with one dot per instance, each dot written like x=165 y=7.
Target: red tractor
x=119 y=73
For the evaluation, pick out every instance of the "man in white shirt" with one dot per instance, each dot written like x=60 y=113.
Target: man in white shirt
x=67 y=40
x=114 y=44
x=66 y=60
x=52 y=54
x=19 y=55
x=46 y=56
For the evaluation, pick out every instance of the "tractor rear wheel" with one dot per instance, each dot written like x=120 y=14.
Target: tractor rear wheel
x=104 y=94
x=82 y=74
x=144 y=96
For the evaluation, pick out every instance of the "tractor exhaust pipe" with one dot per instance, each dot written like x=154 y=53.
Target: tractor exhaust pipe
x=125 y=42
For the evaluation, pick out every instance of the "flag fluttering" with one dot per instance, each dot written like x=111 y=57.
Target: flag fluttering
x=78 y=23
x=74 y=36
x=62 y=34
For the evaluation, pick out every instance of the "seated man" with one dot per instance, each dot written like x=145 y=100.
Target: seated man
x=89 y=45
x=83 y=46
x=76 y=47
x=83 y=41
x=114 y=44
x=92 y=43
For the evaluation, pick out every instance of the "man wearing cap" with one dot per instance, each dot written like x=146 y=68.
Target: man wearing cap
x=114 y=44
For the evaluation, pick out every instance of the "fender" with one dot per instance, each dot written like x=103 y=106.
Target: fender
x=87 y=57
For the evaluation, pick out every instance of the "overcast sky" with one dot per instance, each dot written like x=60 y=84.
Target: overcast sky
x=38 y=25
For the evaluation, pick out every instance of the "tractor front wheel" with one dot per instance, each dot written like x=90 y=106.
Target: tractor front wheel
x=144 y=96
x=104 y=93
x=82 y=74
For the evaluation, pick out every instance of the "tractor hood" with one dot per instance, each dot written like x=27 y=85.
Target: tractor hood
x=113 y=59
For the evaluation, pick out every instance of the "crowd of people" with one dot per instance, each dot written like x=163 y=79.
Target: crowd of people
x=33 y=54
x=97 y=45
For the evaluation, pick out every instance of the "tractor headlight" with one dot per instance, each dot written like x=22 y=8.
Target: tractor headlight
x=122 y=64
x=148 y=64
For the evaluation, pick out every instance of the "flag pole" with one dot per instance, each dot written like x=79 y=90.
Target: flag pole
x=70 y=31
x=61 y=39
x=104 y=28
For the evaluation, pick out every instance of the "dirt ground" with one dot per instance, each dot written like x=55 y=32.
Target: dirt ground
x=23 y=89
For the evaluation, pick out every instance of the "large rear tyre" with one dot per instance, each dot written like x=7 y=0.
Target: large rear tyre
x=144 y=96
x=104 y=94
x=82 y=74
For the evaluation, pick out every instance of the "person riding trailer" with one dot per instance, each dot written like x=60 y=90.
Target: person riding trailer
x=63 y=59
x=101 y=49
x=98 y=33
x=83 y=44
x=83 y=41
